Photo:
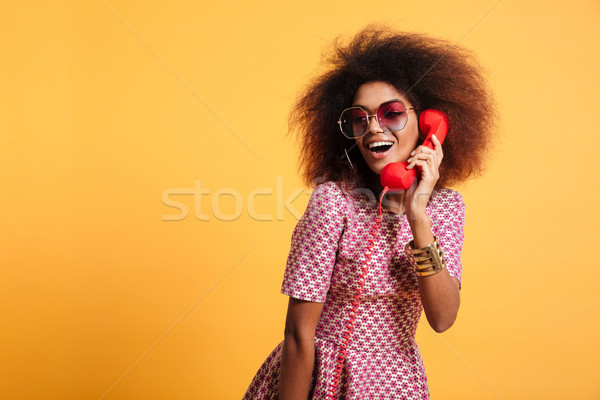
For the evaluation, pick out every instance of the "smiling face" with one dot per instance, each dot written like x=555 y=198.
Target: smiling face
x=380 y=148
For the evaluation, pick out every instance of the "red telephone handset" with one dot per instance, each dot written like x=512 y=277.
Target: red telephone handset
x=395 y=175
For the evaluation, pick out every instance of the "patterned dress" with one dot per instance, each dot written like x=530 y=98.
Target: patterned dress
x=328 y=246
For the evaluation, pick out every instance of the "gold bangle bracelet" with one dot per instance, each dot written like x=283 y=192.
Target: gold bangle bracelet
x=428 y=260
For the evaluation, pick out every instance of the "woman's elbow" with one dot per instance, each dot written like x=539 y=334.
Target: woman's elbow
x=298 y=337
x=442 y=324
x=440 y=327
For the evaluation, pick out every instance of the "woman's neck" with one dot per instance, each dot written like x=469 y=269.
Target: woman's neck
x=394 y=201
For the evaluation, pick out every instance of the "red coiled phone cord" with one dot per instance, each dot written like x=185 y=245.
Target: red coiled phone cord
x=347 y=333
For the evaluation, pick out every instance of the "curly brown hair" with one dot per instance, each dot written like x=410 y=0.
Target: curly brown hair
x=430 y=72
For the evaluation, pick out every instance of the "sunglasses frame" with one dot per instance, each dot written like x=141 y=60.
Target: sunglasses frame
x=373 y=115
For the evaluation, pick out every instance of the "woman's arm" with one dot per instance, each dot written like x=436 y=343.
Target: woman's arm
x=307 y=276
x=298 y=356
x=439 y=292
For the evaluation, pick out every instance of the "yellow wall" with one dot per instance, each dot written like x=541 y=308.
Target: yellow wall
x=107 y=106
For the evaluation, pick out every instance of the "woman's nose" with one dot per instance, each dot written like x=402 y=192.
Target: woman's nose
x=374 y=126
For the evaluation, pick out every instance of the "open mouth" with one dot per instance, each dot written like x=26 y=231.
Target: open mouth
x=380 y=147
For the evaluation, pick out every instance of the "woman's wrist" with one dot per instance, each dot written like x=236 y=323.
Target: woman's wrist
x=421 y=230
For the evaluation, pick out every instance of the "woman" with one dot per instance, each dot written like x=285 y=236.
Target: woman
x=380 y=81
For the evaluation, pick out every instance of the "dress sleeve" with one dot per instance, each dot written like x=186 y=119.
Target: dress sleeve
x=314 y=245
x=450 y=224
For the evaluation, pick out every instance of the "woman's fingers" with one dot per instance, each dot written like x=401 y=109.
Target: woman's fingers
x=426 y=154
x=437 y=147
x=428 y=160
x=428 y=168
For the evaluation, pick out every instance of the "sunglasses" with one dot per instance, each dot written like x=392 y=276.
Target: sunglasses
x=391 y=116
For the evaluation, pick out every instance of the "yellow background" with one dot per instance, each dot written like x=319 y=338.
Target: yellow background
x=105 y=106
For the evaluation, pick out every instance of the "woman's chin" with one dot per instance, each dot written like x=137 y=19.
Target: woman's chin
x=379 y=165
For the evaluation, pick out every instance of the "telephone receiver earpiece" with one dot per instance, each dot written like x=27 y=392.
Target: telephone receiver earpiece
x=395 y=175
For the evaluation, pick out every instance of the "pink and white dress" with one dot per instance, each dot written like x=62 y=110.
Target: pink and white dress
x=328 y=246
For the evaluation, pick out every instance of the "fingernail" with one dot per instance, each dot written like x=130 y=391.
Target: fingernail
x=409 y=160
x=413 y=153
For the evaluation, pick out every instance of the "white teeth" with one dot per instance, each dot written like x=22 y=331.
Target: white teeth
x=375 y=144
